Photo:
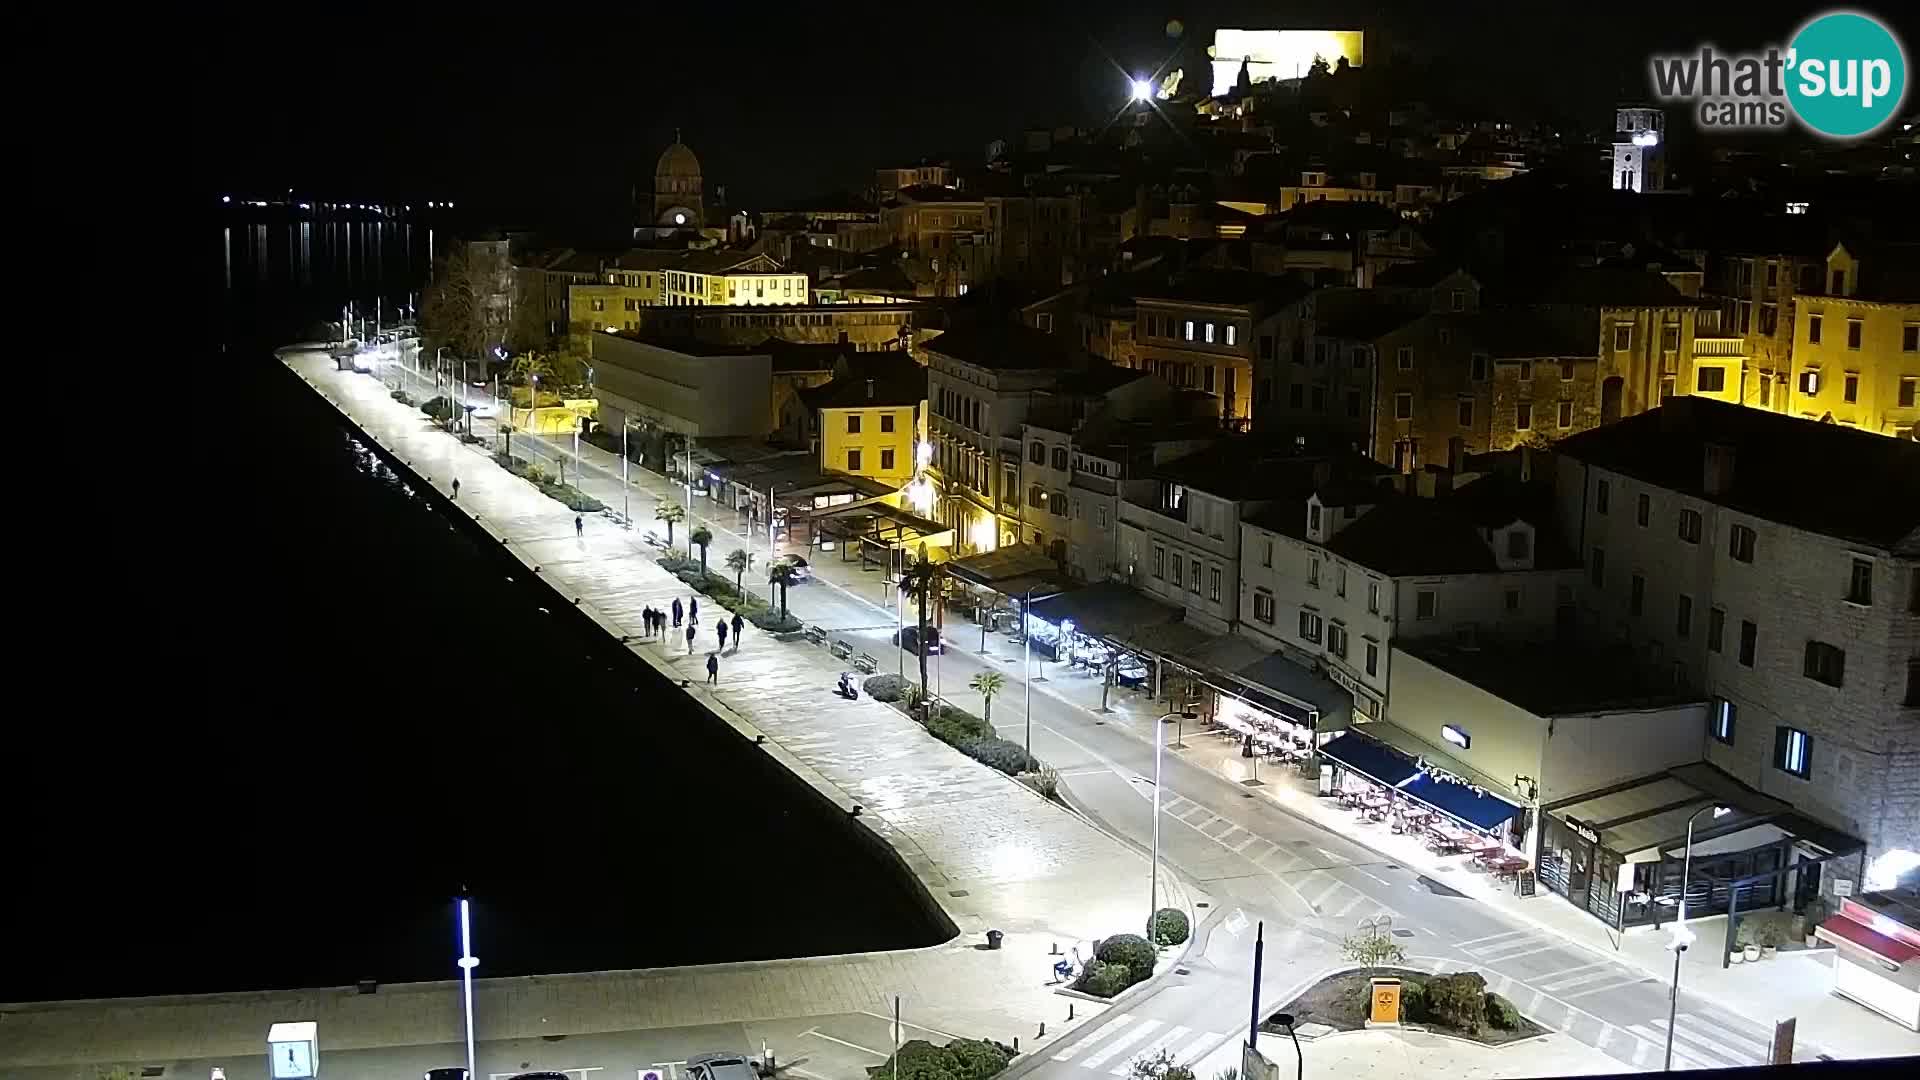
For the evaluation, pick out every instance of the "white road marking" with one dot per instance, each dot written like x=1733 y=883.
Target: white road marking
x=911 y=1024
x=1579 y=976
x=1247 y=843
x=1149 y=1050
x=1119 y=1045
x=1709 y=1036
x=1198 y=1048
x=851 y=1046
x=1089 y=1039
x=1658 y=1038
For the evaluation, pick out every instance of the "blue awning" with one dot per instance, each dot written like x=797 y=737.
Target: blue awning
x=1483 y=811
x=1370 y=759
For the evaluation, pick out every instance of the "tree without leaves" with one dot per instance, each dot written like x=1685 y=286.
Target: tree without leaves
x=701 y=537
x=460 y=309
x=669 y=513
x=737 y=561
x=1371 y=949
x=987 y=684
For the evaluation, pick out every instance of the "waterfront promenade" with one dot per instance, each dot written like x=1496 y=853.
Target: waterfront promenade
x=991 y=853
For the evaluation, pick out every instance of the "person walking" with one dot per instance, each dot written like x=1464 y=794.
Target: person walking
x=676 y=613
x=720 y=631
x=692 y=629
x=456 y=487
x=738 y=625
x=713 y=669
x=693 y=609
x=652 y=618
x=579 y=526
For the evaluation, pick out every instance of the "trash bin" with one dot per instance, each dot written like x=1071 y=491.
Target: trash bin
x=993 y=939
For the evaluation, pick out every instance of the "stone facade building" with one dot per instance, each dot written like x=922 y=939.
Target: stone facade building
x=1775 y=565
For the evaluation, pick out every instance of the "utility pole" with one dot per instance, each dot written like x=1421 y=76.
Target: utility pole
x=1259 y=952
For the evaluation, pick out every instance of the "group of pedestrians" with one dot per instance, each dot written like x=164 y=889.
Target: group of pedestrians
x=656 y=622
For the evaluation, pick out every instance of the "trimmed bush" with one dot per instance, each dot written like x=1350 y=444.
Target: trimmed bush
x=961 y=1059
x=1413 y=1002
x=1501 y=1013
x=402 y=397
x=1131 y=950
x=772 y=623
x=1103 y=979
x=1458 y=1001
x=959 y=727
x=978 y=1059
x=885 y=687
x=1009 y=757
x=1169 y=926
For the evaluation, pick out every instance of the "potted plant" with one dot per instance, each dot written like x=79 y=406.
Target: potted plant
x=1749 y=944
x=1816 y=914
x=1769 y=939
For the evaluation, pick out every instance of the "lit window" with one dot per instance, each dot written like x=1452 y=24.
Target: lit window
x=1720 y=720
x=1189 y=330
x=1232 y=334
x=1740 y=543
x=1792 y=752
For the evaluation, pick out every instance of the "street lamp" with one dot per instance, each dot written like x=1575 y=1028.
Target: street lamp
x=1153 y=889
x=1285 y=1020
x=1142 y=89
x=468 y=962
x=1683 y=937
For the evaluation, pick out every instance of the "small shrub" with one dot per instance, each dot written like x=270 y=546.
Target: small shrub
x=1413 y=1002
x=1009 y=757
x=1043 y=779
x=1501 y=1013
x=978 y=1059
x=1103 y=979
x=402 y=397
x=689 y=576
x=535 y=473
x=1131 y=950
x=437 y=407
x=1371 y=949
x=885 y=687
x=957 y=726
x=1160 y=1066
x=1169 y=926
x=1458 y=1001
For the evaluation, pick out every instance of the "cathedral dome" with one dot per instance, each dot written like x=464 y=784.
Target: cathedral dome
x=677 y=161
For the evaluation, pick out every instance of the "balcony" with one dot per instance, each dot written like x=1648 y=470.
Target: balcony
x=1719 y=346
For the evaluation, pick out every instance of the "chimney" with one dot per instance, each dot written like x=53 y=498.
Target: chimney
x=1718 y=478
x=869 y=389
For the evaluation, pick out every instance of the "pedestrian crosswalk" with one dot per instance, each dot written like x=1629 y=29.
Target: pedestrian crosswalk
x=1115 y=1045
x=1307 y=871
x=1700 y=1043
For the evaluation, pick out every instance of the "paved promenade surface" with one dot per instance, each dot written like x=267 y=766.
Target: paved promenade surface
x=991 y=852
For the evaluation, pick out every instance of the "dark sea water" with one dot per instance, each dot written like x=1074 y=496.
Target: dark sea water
x=321 y=709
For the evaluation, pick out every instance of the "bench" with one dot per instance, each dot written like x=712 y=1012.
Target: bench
x=866 y=663
x=841 y=649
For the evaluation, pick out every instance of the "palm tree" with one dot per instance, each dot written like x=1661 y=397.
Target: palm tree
x=530 y=366
x=920 y=579
x=669 y=513
x=700 y=537
x=737 y=561
x=987 y=684
x=781 y=575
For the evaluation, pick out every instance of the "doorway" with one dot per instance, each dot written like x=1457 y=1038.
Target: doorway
x=1612 y=391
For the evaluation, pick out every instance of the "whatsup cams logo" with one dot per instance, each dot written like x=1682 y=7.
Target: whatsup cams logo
x=1843 y=76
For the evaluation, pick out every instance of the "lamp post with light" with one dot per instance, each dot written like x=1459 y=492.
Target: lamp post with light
x=467 y=963
x=1682 y=937
x=1153 y=888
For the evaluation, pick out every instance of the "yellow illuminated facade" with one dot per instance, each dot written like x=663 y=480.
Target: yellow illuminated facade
x=687 y=288
x=1857 y=362
x=875 y=441
x=613 y=307
x=1280 y=54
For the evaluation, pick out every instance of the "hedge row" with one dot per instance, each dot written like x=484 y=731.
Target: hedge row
x=573 y=498
x=722 y=591
x=1460 y=1001
x=961 y=1059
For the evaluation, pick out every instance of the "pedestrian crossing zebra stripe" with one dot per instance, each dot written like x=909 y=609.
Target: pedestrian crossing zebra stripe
x=1118 y=1045
x=1095 y=1036
x=1147 y=1051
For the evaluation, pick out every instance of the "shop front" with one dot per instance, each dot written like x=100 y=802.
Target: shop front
x=1109 y=631
x=1621 y=853
x=1877 y=936
x=1383 y=775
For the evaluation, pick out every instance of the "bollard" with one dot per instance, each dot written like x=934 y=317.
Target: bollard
x=1069 y=1011
x=1054 y=950
x=1016 y=1044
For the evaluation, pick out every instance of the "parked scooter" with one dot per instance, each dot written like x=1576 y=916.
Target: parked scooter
x=847 y=689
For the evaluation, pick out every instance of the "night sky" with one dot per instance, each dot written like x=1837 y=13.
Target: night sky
x=551 y=112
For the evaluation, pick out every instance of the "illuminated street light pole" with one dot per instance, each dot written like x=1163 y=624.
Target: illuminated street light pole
x=468 y=962
x=1153 y=888
x=1682 y=937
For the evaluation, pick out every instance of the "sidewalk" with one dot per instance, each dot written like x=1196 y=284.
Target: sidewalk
x=991 y=853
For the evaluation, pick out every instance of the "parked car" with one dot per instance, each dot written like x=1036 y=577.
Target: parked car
x=721 y=1067
x=909 y=639
x=801 y=571
x=541 y=1076
x=455 y=1073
